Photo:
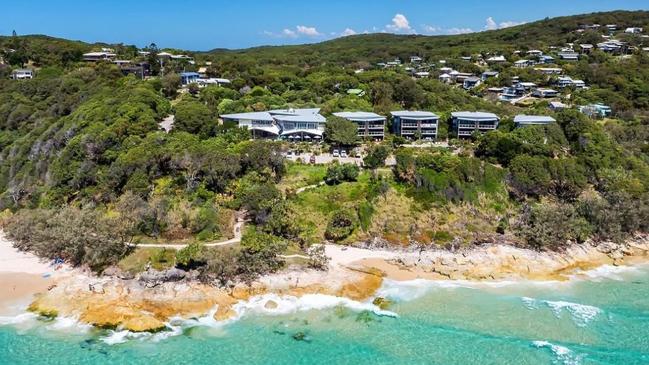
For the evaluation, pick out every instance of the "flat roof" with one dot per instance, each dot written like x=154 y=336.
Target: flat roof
x=265 y=116
x=533 y=119
x=360 y=116
x=417 y=115
x=475 y=116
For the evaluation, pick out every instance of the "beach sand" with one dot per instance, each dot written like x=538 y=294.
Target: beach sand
x=22 y=275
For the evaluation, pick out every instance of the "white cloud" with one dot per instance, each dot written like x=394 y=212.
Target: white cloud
x=430 y=29
x=348 y=31
x=399 y=24
x=458 y=31
x=289 y=33
x=491 y=24
x=308 y=31
x=300 y=30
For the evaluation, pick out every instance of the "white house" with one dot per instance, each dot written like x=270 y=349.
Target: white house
x=633 y=30
x=288 y=124
x=99 y=56
x=525 y=120
x=523 y=63
x=569 y=56
x=22 y=74
x=496 y=59
x=370 y=125
x=445 y=78
x=545 y=93
x=557 y=105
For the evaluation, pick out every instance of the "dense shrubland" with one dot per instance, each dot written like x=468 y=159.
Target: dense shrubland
x=85 y=170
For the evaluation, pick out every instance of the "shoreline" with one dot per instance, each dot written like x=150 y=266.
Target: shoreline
x=355 y=274
x=23 y=276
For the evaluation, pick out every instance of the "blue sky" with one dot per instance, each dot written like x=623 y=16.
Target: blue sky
x=205 y=24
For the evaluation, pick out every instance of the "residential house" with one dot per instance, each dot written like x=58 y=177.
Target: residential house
x=611 y=46
x=611 y=27
x=569 y=56
x=596 y=110
x=549 y=70
x=525 y=86
x=203 y=82
x=544 y=59
x=634 y=30
x=557 y=106
x=415 y=59
x=370 y=125
x=187 y=78
x=422 y=74
x=523 y=63
x=586 y=48
x=139 y=69
x=496 y=59
x=471 y=82
x=578 y=84
x=415 y=124
x=545 y=93
x=98 y=56
x=445 y=78
x=489 y=74
x=22 y=74
x=526 y=120
x=466 y=123
x=535 y=52
x=566 y=81
x=289 y=124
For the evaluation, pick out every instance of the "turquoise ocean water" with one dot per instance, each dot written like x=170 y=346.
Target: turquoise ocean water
x=603 y=319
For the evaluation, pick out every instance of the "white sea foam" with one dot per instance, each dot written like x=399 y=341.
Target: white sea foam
x=563 y=355
x=291 y=304
x=609 y=272
x=581 y=314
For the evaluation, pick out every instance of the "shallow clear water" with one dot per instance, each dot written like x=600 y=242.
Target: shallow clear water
x=603 y=320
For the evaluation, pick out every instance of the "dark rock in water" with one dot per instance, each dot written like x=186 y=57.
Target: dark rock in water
x=278 y=332
x=301 y=336
x=382 y=303
x=365 y=317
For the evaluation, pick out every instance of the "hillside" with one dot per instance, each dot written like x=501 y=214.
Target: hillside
x=85 y=167
x=381 y=47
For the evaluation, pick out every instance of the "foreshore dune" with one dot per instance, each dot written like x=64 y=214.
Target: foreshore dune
x=354 y=273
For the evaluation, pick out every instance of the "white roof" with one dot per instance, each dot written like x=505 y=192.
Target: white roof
x=533 y=119
x=528 y=84
x=557 y=104
x=414 y=114
x=497 y=59
x=475 y=116
x=360 y=116
x=444 y=76
x=265 y=116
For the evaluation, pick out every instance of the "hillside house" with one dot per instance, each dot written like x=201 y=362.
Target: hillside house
x=545 y=93
x=569 y=56
x=22 y=74
x=289 y=124
x=596 y=110
x=415 y=124
x=370 y=125
x=527 y=120
x=523 y=63
x=633 y=30
x=557 y=106
x=187 y=78
x=99 y=56
x=471 y=82
x=466 y=123
x=490 y=74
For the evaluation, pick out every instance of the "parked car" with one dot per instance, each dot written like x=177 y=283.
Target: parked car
x=343 y=154
x=335 y=153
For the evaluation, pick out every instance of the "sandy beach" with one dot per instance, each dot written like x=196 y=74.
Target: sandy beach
x=22 y=275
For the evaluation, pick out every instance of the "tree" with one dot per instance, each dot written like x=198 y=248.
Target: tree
x=340 y=131
x=170 y=84
x=260 y=254
x=152 y=59
x=194 y=117
x=376 y=156
x=341 y=225
x=339 y=173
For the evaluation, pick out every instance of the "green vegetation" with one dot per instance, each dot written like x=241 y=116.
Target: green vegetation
x=86 y=172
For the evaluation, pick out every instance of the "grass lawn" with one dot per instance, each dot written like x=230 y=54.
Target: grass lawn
x=301 y=175
x=136 y=262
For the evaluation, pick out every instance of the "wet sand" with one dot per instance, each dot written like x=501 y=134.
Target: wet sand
x=17 y=290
